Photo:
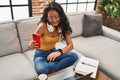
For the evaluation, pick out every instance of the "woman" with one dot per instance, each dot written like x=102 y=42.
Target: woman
x=52 y=26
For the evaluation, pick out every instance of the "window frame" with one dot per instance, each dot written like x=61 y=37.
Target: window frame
x=87 y=2
x=18 y=5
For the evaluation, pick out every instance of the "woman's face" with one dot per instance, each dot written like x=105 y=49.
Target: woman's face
x=53 y=18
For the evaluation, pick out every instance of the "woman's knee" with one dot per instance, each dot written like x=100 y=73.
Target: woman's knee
x=41 y=69
x=73 y=55
x=41 y=66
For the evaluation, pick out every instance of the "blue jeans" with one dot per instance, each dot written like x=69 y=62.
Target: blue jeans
x=42 y=66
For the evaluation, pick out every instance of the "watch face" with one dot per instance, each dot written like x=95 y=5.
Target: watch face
x=42 y=77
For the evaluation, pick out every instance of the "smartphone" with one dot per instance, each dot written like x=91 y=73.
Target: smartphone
x=36 y=37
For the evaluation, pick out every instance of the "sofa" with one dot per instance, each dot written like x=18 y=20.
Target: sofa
x=16 y=60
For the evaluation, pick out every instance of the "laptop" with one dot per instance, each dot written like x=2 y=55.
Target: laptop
x=68 y=74
x=79 y=77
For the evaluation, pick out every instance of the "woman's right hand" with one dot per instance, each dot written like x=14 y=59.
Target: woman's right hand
x=32 y=45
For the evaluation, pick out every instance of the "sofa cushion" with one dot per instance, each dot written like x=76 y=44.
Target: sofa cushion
x=25 y=29
x=92 y=25
x=76 y=23
x=111 y=33
x=9 y=42
x=30 y=55
x=104 y=49
x=16 y=67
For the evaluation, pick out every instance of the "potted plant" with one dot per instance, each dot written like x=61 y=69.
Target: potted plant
x=111 y=11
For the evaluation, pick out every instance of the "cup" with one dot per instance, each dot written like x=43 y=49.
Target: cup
x=42 y=77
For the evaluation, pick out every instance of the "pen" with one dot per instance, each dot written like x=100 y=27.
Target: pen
x=87 y=64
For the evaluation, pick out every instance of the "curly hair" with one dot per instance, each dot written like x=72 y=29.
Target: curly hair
x=64 y=23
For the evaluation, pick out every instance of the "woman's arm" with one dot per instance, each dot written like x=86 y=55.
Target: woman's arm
x=69 y=44
x=39 y=30
x=67 y=48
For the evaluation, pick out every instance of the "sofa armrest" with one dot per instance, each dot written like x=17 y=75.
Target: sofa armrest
x=111 y=33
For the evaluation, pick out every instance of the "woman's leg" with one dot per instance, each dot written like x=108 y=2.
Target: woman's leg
x=61 y=62
x=65 y=60
x=40 y=64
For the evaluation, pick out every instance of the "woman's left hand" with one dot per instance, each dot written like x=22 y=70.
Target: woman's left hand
x=53 y=55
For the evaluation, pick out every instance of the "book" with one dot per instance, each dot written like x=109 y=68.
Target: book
x=87 y=65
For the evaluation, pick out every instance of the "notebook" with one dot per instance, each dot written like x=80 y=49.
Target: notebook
x=87 y=65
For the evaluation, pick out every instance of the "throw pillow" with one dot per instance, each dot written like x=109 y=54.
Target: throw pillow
x=92 y=25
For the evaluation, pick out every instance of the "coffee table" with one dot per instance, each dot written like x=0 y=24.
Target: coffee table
x=101 y=76
x=68 y=72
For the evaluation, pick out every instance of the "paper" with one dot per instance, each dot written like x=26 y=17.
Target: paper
x=87 y=65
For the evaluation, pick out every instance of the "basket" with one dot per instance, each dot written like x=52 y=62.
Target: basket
x=113 y=23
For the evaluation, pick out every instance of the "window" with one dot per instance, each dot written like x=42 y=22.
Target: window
x=77 y=5
x=15 y=9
